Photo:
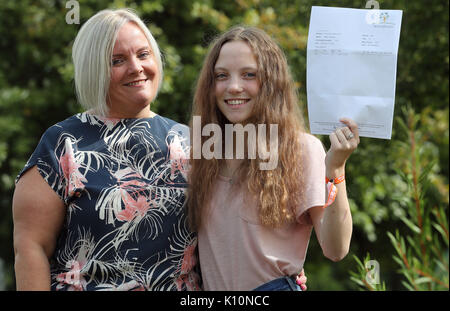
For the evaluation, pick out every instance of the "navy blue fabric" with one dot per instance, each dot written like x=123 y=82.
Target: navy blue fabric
x=123 y=182
x=281 y=284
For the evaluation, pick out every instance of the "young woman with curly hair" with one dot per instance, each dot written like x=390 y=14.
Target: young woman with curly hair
x=254 y=217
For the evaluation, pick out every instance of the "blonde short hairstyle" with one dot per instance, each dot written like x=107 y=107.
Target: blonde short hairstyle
x=92 y=56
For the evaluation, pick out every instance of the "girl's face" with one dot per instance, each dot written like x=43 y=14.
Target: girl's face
x=236 y=83
x=134 y=74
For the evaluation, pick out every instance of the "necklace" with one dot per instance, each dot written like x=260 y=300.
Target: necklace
x=231 y=180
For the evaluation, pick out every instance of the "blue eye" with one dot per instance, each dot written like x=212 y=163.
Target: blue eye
x=144 y=55
x=250 y=75
x=116 y=61
x=220 y=76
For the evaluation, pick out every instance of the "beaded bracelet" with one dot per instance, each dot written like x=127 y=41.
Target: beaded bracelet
x=332 y=190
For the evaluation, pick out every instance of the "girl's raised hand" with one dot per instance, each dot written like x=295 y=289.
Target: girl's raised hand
x=343 y=141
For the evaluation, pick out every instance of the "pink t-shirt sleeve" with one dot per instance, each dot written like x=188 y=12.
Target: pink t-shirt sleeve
x=314 y=176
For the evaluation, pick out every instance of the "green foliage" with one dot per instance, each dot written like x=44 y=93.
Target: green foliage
x=423 y=252
x=364 y=278
x=36 y=91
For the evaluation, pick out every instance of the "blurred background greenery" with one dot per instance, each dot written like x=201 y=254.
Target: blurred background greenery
x=36 y=91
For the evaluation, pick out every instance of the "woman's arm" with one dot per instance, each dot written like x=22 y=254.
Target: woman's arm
x=38 y=215
x=333 y=225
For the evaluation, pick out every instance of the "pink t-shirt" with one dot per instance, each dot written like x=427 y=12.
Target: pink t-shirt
x=237 y=252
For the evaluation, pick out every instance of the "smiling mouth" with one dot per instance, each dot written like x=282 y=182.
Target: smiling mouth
x=236 y=102
x=136 y=83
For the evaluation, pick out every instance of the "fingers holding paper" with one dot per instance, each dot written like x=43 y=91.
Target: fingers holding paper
x=344 y=141
x=352 y=127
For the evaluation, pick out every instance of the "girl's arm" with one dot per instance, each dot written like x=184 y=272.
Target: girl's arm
x=333 y=225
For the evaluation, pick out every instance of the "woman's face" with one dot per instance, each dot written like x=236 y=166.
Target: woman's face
x=134 y=74
x=236 y=82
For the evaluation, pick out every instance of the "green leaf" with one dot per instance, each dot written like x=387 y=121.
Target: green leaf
x=358 y=261
x=357 y=281
x=426 y=171
x=409 y=287
x=441 y=231
x=414 y=244
x=411 y=225
x=398 y=260
x=422 y=280
x=441 y=265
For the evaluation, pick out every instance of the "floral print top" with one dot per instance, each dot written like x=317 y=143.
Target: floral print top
x=123 y=182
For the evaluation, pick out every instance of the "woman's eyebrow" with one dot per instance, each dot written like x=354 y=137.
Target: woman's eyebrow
x=243 y=68
x=144 y=48
x=139 y=50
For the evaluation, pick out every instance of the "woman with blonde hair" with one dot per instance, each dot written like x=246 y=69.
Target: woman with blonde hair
x=100 y=203
x=253 y=221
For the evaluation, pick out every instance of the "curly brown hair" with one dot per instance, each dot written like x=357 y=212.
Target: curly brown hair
x=278 y=191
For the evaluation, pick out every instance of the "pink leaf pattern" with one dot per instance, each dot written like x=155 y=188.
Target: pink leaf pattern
x=70 y=168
